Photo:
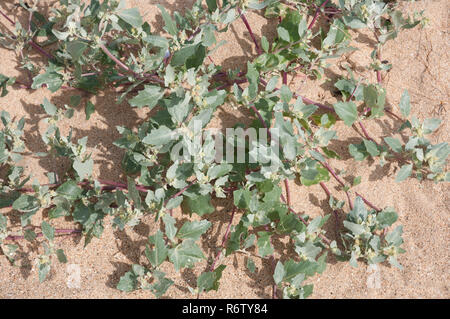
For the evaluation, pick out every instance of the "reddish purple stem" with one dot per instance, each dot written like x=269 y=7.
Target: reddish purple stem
x=57 y=231
x=180 y=192
x=368 y=203
x=244 y=19
x=316 y=15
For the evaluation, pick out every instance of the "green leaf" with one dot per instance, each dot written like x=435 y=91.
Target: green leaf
x=171 y=26
x=170 y=229
x=283 y=34
x=386 y=218
x=404 y=172
x=26 y=203
x=405 y=105
x=161 y=285
x=371 y=148
x=219 y=170
x=48 y=231
x=157 y=41
x=285 y=93
x=210 y=280
x=134 y=193
x=180 y=108
x=51 y=79
x=212 y=5
x=293 y=269
x=75 y=100
x=81 y=213
x=200 y=204
x=61 y=256
x=160 y=136
x=394 y=144
x=395 y=237
x=49 y=108
x=192 y=56
x=279 y=273
x=159 y=253
x=44 y=269
x=76 y=49
x=70 y=190
x=128 y=282
x=193 y=230
x=131 y=16
x=358 y=151
x=251 y=265
x=29 y=234
x=264 y=245
x=265 y=44
x=356 y=229
x=242 y=198
x=149 y=96
x=185 y=255
x=83 y=169
x=89 y=109
x=347 y=112
x=313 y=173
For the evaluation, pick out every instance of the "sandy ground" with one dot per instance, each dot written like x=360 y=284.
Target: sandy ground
x=420 y=61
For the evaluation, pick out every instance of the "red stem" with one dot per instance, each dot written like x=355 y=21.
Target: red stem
x=368 y=203
x=7 y=18
x=180 y=192
x=57 y=231
x=316 y=15
x=244 y=19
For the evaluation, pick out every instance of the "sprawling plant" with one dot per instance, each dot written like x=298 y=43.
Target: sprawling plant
x=172 y=158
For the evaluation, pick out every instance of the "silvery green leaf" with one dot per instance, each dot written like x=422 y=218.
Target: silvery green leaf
x=83 y=169
x=128 y=282
x=131 y=16
x=170 y=229
x=171 y=26
x=279 y=273
x=264 y=245
x=161 y=284
x=158 y=254
x=51 y=79
x=393 y=261
x=160 y=136
x=356 y=229
x=371 y=147
x=386 y=218
x=26 y=203
x=395 y=237
x=394 y=144
x=49 y=108
x=174 y=202
x=185 y=255
x=149 y=96
x=76 y=49
x=404 y=172
x=430 y=125
x=44 y=269
x=193 y=230
x=48 y=231
x=405 y=105
x=156 y=41
x=347 y=112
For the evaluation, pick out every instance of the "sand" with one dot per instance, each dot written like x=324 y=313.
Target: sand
x=420 y=60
